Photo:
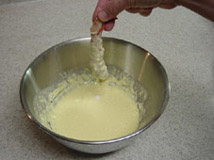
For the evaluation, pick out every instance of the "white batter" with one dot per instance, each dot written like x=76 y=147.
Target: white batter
x=95 y=112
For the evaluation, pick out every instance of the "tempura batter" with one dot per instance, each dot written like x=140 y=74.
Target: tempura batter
x=95 y=112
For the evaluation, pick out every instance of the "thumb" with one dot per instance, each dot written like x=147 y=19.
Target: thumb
x=112 y=9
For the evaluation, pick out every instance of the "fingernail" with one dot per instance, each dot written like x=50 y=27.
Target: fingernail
x=103 y=16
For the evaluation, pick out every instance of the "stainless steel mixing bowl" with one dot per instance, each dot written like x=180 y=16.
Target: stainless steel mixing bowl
x=74 y=54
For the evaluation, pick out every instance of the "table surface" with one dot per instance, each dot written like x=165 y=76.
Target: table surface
x=183 y=42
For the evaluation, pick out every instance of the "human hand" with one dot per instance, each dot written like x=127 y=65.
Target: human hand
x=107 y=10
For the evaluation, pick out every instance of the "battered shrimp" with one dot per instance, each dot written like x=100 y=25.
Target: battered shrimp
x=96 y=57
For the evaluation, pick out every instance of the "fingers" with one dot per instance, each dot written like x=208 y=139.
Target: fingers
x=167 y=6
x=146 y=11
x=107 y=10
x=142 y=11
x=108 y=26
x=100 y=5
x=112 y=9
x=134 y=10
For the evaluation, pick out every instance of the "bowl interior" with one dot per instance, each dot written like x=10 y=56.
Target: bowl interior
x=74 y=54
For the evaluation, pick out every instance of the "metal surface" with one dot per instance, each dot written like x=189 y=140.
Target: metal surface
x=137 y=62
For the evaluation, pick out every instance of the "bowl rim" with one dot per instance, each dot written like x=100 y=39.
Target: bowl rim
x=55 y=135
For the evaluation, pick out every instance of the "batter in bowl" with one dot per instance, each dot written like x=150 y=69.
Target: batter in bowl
x=96 y=111
x=80 y=107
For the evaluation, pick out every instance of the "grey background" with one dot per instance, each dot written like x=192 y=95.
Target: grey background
x=182 y=40
x=13 y=1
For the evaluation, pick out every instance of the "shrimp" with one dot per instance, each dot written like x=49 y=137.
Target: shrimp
x=96 y=28
x=97 y=51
